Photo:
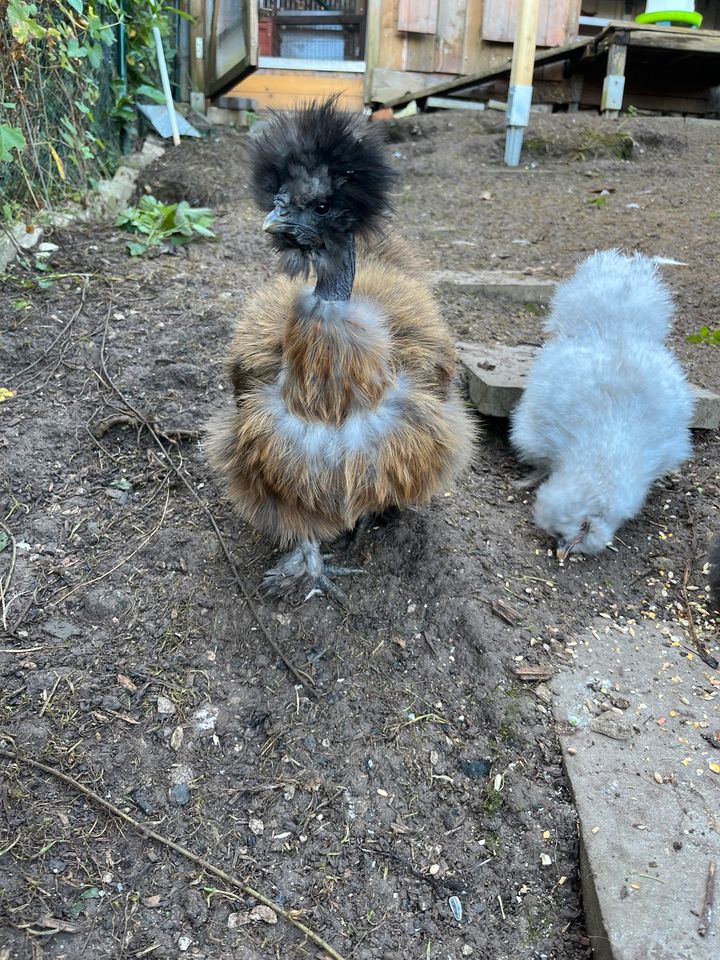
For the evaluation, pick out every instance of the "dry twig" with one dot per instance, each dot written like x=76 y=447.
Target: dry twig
x=708 y=901
x=144 y=831
x=65 y=329
x=5 y=581
x=167 y=461
x=120 y=563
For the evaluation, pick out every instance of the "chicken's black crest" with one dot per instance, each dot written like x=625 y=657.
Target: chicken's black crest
x=321 y=153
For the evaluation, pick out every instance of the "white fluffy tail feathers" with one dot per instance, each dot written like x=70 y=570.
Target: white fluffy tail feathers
x=613 y=295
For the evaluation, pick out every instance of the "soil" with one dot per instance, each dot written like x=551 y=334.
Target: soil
x=412 y=766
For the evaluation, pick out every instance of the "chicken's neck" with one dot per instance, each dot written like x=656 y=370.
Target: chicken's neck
x=335 y=279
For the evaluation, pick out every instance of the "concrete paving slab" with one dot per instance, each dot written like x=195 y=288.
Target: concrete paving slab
x=497 y=376
x=511 y=285
x=633 y=713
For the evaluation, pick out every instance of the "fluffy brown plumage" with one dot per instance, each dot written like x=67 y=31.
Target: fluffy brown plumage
x=344 y=403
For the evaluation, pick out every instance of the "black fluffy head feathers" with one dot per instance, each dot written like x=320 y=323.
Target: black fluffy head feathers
x=321 y=155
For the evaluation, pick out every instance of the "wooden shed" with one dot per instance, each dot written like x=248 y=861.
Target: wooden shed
x=378 y=52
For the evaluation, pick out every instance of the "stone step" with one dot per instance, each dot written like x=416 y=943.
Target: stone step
x=497 y=376
x=645 y=784
x=511 y=285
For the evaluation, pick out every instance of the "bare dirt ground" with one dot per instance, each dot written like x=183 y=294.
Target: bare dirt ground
x=413 y=766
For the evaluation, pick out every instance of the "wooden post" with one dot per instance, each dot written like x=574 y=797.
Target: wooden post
x=373 y=17
x=614 y=82
x=197 y=55
x=521 y=74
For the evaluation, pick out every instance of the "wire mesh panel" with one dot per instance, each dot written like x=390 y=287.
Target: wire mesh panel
x=317 y=29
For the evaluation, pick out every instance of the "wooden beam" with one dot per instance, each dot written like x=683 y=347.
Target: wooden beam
x=373 y=26
x=614 y=82
x=568 y=52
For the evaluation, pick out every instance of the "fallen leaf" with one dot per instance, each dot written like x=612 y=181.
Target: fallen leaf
x=153 y=901
x=126 y=682
x=6 y=394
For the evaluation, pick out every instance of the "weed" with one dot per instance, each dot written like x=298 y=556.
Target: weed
x=705 y=335
x=174 y=223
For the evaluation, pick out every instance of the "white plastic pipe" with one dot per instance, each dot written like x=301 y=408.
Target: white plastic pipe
x=166 y=85
x=521 y=73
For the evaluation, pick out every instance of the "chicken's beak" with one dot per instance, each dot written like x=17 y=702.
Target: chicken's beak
x=563 y=549
x=275 y=222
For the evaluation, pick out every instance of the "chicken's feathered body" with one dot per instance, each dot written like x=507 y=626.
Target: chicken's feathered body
x=342 y=410
x=607 y=408
x=344 y=397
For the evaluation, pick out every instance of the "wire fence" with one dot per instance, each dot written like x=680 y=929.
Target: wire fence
x=63 y=116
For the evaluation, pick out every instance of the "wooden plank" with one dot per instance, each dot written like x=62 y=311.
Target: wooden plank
x=500 y=18
x=417 y=16
x=288 y=89
x=450 y=35
x=373 y=25
x=687 y=42
x=569 y=52
x=474 y=50
x=326 y=66
x=392 y=45
x=389 y=84
x=420 y=52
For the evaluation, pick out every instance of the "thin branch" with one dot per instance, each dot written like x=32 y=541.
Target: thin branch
x=64 y=330
x=144 y=831
x=88 y=583
x=5 y=581
x=167 y=461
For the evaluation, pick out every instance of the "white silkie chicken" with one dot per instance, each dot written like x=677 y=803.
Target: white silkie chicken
x=607 y=408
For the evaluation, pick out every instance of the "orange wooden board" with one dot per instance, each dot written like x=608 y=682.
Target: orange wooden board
x=289 y=88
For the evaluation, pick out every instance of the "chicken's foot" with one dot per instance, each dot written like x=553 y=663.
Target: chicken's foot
x=304 y=571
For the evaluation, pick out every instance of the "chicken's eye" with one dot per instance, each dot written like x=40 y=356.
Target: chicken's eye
x=322 y=207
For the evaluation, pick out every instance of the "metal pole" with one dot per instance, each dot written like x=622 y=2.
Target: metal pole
x=166 y=85
x=521 y=73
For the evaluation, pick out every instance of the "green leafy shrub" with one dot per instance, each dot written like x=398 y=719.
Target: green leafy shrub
x=173 y=223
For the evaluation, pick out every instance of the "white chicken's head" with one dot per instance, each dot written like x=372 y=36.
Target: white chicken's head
x=575 y=512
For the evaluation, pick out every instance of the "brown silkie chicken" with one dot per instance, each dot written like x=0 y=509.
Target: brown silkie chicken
x=344 y=397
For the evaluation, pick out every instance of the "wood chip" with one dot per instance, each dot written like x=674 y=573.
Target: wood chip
x=506 y=613
x=530 y=672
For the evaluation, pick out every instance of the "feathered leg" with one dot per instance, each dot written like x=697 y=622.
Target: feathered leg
x=304 y=571
x=533 y=479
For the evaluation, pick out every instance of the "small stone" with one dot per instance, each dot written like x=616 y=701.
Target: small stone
x=595 y=830
x=657 y=777
x=143 y=802
x=456 y=908
x=184 y=944
x=434 y=869
x=476 y=769
x=180 y=794
x=238 y=920
x=466 y=950
x=204 y=720
x=57 y=866
x=165 y=705
x=382 y=793
x=545 y=860
x=572 y=751
x=263 y=913
x=256 y=826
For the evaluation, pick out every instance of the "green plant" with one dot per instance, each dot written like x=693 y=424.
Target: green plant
x=705 y=335
x=61 y=103
x=175 y=223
